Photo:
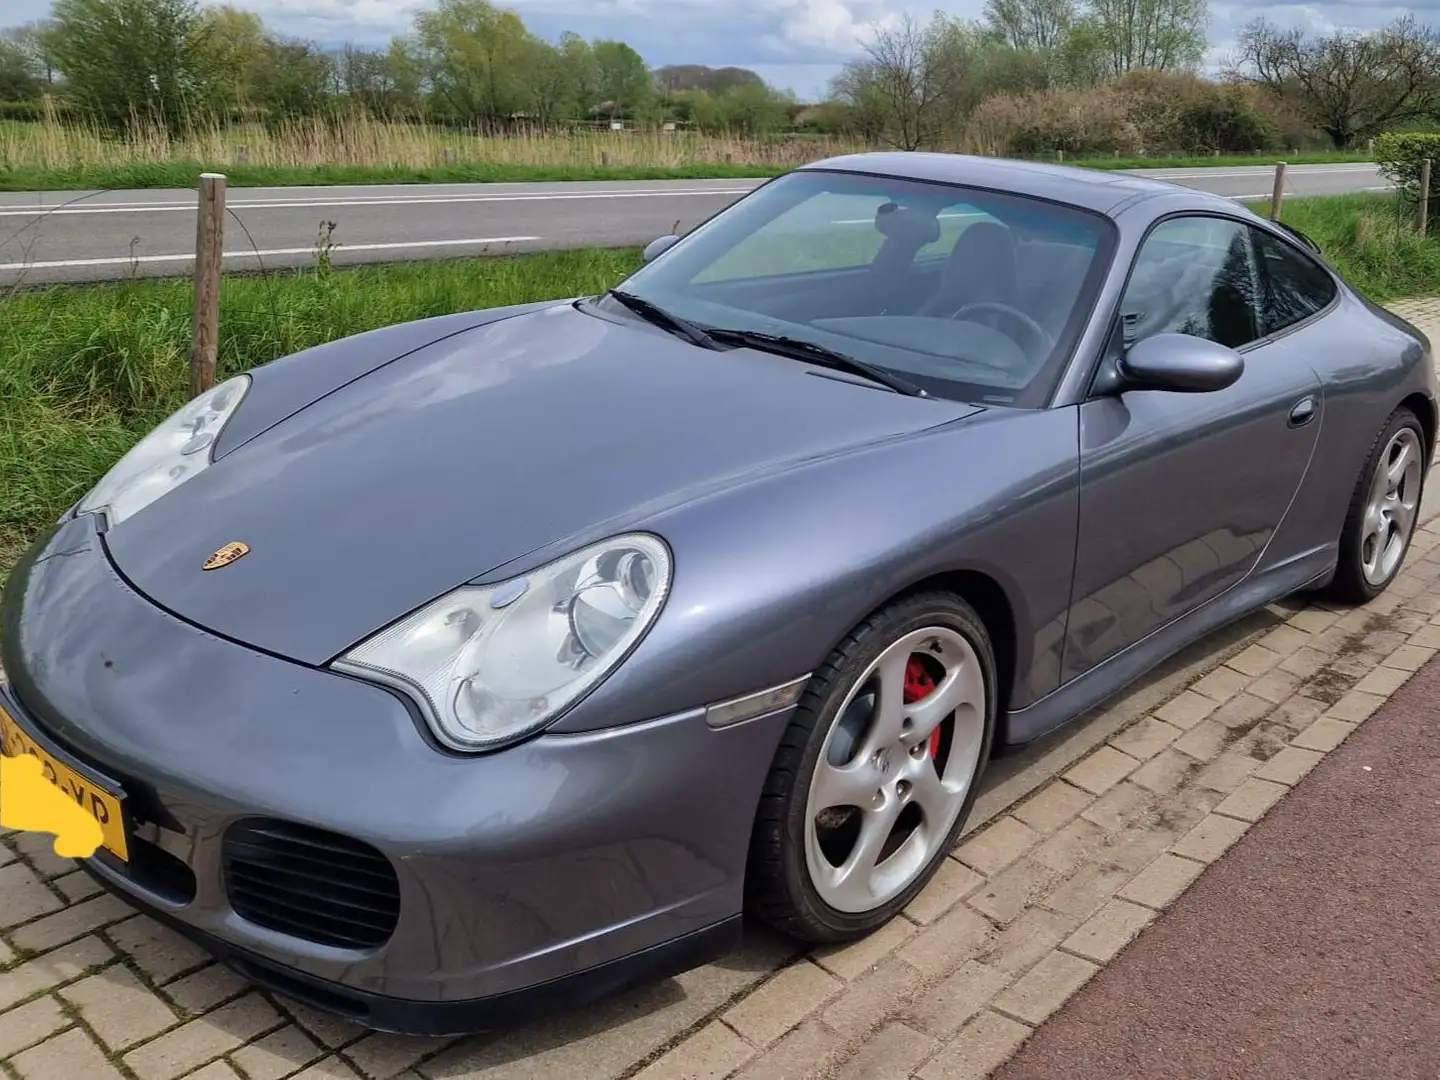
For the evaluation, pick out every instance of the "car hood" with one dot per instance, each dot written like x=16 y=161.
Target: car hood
x=473 y=452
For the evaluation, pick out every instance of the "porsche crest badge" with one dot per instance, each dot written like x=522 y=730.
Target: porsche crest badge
x=226 y=555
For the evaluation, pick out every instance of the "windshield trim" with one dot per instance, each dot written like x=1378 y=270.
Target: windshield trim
x=1043 y=386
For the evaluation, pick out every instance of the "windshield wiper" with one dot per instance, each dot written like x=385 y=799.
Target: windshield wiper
x=815 y=354
x=660 y=317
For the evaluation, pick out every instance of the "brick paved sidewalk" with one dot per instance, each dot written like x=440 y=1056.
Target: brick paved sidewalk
x=1077 y=845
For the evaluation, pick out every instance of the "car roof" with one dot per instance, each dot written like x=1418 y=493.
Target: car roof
x=1094 y=189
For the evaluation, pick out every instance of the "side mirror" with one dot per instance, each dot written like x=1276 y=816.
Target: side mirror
x=1179 y=363
x=658 y=247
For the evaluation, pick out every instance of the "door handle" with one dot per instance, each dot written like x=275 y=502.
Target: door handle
x=1302 y=412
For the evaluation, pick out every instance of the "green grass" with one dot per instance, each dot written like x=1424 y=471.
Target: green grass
x=84 y=372
x=186 y=174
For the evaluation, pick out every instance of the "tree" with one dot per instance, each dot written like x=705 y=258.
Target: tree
x=235 y=44
x=29 y=40
x=909 y=78
x=1351 y=86
x=1167 y=35
x=475 y=58
x=624 y=79
x=1032 y=25
x=19 y=81
x=133 y=59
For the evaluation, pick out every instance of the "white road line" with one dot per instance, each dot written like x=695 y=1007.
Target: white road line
x=1248 y=171
x=419 y=200
x=59 y=264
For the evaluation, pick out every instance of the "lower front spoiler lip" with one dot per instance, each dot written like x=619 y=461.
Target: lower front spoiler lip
x=442 y=1019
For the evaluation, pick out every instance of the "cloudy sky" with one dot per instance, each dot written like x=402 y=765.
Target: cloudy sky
x=798 y=44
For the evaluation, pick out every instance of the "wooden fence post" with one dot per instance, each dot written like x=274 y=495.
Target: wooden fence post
x=209 y=245
x=1422 y=212
x=1277 y=194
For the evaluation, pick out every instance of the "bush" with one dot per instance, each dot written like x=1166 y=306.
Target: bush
x=1400 y=157
x=1083 y=123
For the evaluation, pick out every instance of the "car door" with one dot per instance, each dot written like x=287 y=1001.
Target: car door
x=1180 y=493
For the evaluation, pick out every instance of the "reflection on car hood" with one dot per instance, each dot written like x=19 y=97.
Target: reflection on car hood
x=470 y=453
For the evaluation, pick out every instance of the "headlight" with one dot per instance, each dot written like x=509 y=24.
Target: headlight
x=171 y=454
x=492 y=664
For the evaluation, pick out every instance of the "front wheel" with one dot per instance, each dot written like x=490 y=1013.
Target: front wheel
x=1383 y=511
x=876 y=773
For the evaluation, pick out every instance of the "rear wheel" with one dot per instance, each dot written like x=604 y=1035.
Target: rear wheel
x=877 y=772
x=1383 y=511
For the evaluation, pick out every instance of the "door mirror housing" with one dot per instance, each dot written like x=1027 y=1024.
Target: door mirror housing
x=1179 y=363
x=658 y=247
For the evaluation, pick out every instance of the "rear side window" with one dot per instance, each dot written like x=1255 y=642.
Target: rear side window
x=1296 y=286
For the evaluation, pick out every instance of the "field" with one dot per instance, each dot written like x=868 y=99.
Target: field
x=56 y=157
x=85 y=371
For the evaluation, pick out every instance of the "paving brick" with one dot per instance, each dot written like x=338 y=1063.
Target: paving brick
x=1289 y=766
x=1383 y=681
x=39 y=850
x=217 y=1070
x=1098 y=772
x=944 y=1009
x=1221 y=684
x=7 y=955
x=1256 y=660
x=892 y=1051
x=868 y=1002
x=1285 y=640
x=31 y=1023
x=1275 y=686
x=997 y=846
x=204 y=989
x=853 y=960
x=1242 y=712
x=50 y=970
x=1124 y=803
x=1211 y=838
x=1011 y=891
x=1045 y=987
x=805 y=1052
x=1052 y=806
x=1186 y=709
x=1306 y=663
x=119 y=1008
x=1409 y=657
x=948 y=942
x=1252 y=799
x=329 y=1031
x=1027 y=940
x=712 y=1053
x=1297 y=713
x=1204 y=741
x=1313 y=620
x=1146 y=738
x=279 y=1054
x=1426 y=638
x=332 y=1068
x=76 y=886
x=1227 y=772
x=1164 y=772
x=71 y=1055
x=1355 y=706
x=952 y=882
x=160 y=953
x=1076 y=843
x=1109 y=930
x=782 y=1002
x=1162 y=881
x=1323 y=735
x=71 y=922
x=26 y=896
x=983 y=1044
x=199 y=1041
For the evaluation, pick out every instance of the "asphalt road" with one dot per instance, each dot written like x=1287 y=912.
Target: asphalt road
x=94 y=236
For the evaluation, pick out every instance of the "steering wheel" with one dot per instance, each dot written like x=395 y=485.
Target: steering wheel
x=1039 y=338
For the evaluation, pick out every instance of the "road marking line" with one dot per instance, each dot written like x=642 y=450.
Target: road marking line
x=294 y=204
x=57 y=264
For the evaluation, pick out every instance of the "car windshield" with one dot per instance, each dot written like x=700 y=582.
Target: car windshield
x=967 y=293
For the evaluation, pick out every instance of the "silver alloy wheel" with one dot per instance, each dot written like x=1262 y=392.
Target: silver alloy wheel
x=895 y=785
x=1391 y=506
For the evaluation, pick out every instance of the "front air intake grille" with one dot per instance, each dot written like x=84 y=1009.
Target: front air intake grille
x=310 y=884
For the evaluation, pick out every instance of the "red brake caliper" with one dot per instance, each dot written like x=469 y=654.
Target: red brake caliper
x=918 y=685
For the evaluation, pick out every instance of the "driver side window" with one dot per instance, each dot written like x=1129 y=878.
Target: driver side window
x=1197 y=276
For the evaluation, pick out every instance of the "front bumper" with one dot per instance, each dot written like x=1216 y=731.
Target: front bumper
x=551 y=872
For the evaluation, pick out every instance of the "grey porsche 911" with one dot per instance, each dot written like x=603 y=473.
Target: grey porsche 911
x=491 y=663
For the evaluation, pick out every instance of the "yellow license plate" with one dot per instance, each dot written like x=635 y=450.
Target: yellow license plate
x=99 y=804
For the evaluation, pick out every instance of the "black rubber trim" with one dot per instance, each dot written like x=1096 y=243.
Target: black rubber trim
x=500 y=1012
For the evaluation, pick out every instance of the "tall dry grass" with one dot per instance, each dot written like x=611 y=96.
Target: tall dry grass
x=360 y=140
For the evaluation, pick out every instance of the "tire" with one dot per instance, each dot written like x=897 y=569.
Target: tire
x=1360 y=575
x=840 y=739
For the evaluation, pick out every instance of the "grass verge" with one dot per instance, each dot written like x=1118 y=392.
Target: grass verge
x=84 y=372
x=144 y=175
